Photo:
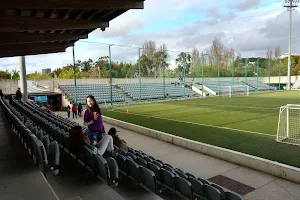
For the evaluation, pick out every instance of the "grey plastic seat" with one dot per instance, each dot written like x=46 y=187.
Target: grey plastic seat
x=113 y=169
x=156 y=171
x=46 y=142
x=220 y=189
x=190 y=175
x=147 y=178
x=204 y=181
x=184 y=187
x=121 y=160
x=233 y=196
x=167 y=167
x=34 y=130
x=101 y=168
x=90 y=158
x=181 y=174
x=141 y=161
x=158 y=163
x=167 y=178
x=28 y=124
x=211 y=192
x=53 y=157
x=197 y=186
x=39 y=134
x=132 y=169
x=147 y=159
x=131 y=155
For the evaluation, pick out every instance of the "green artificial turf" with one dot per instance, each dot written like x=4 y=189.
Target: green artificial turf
x=254 y=117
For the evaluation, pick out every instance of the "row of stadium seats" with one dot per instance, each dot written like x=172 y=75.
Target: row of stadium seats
x=58 y=129
x=100 y=91
x=157 y=175
x=146 y=170
x=154 y=90
x=258 y=85
x=47 y=155
x=236 y=86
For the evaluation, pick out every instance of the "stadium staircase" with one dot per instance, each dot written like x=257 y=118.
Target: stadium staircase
x=251 y=87
x=125 y=96
x=296 y=84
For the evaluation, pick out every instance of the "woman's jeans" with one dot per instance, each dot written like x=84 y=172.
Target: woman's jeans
x=94 y=136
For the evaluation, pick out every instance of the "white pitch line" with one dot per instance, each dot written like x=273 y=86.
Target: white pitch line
x=208 y=125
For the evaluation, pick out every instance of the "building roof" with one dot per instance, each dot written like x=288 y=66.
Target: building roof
x=30 y=27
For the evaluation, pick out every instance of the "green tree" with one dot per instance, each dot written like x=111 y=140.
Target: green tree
x=181 y=58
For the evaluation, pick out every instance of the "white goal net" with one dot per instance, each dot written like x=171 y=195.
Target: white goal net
x=229 y=91
x=288 y=130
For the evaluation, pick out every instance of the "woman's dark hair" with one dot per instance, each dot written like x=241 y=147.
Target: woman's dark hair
x=112 y=131
x=95 y=103
x=76 y=137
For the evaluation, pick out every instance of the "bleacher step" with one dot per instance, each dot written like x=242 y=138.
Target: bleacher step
x=125 y=96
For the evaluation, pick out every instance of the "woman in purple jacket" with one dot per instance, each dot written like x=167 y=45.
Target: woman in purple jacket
x=93 y=120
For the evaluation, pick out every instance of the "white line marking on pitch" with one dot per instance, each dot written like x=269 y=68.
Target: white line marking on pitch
x=219 y=127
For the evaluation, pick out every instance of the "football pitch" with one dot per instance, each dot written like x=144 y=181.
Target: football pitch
x=246 y=124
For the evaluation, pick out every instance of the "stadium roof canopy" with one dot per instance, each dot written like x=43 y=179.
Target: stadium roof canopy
x=29 y=27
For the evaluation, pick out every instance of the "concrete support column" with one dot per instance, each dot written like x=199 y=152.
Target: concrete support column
x=23 y=78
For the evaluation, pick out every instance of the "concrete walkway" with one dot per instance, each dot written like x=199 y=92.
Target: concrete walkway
x=20 y=178
x=253 y=185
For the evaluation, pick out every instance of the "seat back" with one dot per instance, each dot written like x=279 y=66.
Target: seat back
x=39 y=134
x=220 y=189
x=190 y=175
x=39 y=151
x=212 y=193
x=45 y=140
x=181 y=174
x=141 y=161
x=132 y=169
x=53 y=156
x=121 y=160
x=147 y=159
x=155 y=169
x=184 y=187
x=147 y=178
x=233 y=196
x=102 y=168
x=197 y=186
x=131 y=155
x=167 y=178
x=90 y=157
x=159 y=164
x=113 y=169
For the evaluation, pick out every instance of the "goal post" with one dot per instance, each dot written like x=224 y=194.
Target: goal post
x=288 y=130
x=229 y=91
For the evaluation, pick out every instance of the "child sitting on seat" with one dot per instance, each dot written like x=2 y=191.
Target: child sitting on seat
x=116 y=140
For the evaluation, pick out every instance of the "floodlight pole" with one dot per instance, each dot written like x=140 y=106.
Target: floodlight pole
x=184 y=66
x=74 y=66
x=290 y=5
x=110 y=72
x=139 y=65
x=164 y=72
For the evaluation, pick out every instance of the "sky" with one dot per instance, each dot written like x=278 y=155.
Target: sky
x=250 y=27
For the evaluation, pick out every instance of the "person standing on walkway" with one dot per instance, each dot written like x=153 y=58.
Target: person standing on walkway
x=74 y=110
x=93 y=120
x=79 y=109
x=68 y=111
x=19 y=95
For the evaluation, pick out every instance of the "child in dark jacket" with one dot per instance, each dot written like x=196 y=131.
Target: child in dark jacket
x=116 y=140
